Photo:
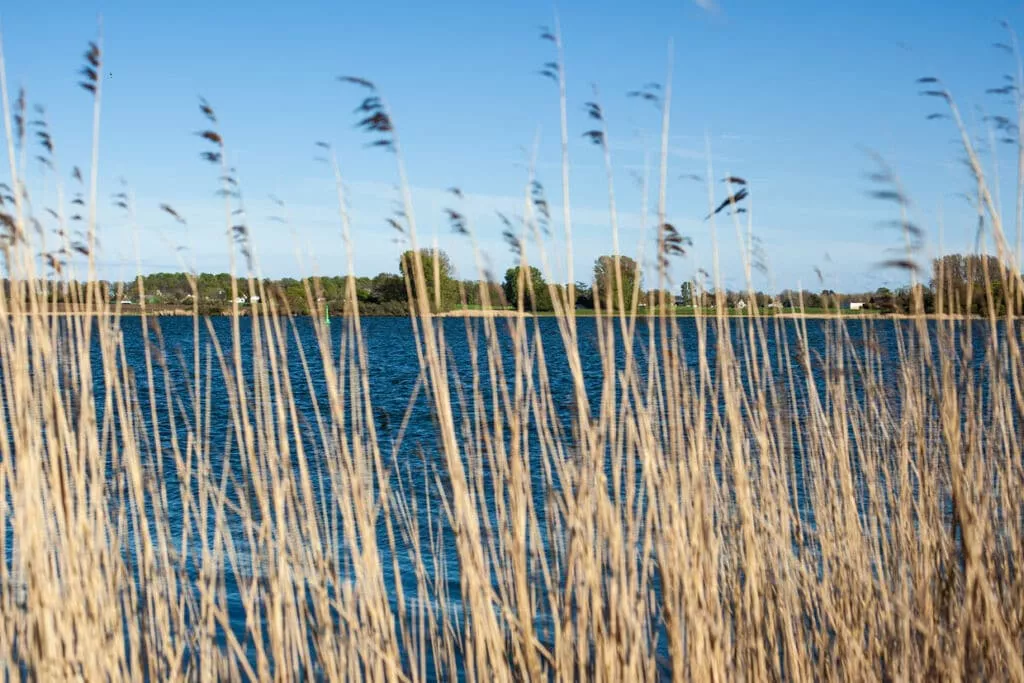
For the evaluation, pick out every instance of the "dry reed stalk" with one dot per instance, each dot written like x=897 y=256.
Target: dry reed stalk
x=722 y=499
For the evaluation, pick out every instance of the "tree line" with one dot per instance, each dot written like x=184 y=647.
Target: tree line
x=959 y=283
x=975 y=284
x=382 y=294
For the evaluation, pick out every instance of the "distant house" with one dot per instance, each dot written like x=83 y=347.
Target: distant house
x=856 y=305
x=774 y=304
x=741 y=304
x=680 y=300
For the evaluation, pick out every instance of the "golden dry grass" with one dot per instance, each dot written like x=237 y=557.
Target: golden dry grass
x=782 y=509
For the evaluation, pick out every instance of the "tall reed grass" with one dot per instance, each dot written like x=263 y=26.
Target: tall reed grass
x=740 y=500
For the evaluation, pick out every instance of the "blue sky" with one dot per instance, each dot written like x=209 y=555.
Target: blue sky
x=786 y=94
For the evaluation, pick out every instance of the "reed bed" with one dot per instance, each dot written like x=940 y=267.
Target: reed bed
x=725 y=499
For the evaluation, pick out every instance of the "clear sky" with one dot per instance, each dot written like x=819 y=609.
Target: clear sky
x=789 y=95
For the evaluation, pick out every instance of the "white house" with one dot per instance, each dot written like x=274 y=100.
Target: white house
x=741 y=304
x=856 y=305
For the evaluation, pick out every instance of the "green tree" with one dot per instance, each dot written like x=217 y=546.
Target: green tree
x=541 y=296
x=686 y=293
x=811 y=300
x=605 y=280
x=584 y=295
x=882 y=300
x=476 y=290
x=387 y=287
x=447 y=288
x=962 y=281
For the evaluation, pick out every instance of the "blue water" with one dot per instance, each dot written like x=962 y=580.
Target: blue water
x=394 y=371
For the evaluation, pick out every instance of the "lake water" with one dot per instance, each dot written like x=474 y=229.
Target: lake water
x=394 y=375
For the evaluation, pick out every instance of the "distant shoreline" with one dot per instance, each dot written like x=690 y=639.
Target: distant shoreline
x=134 y=311
x=588 y=313
x=732 y=316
